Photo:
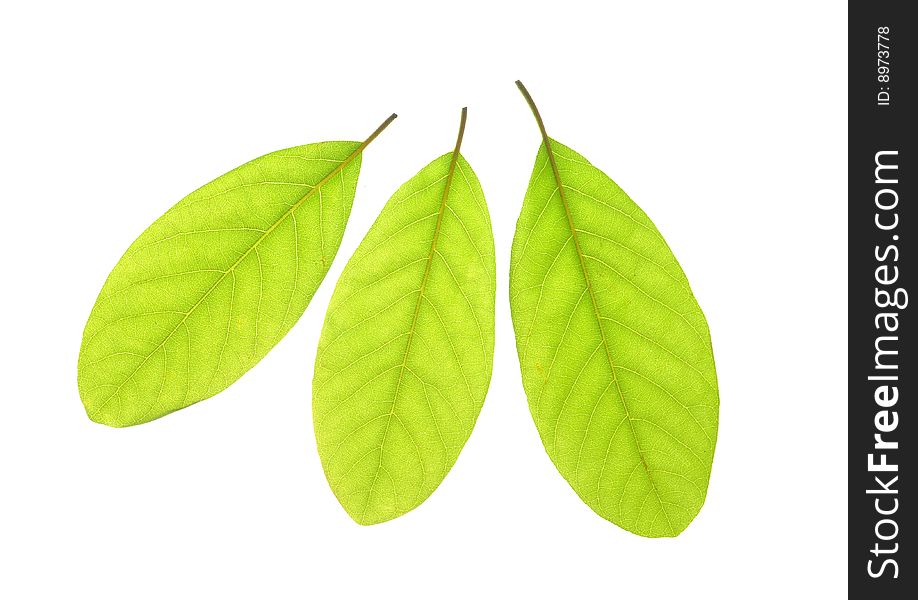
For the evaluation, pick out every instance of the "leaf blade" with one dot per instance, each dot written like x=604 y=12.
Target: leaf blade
x=405 y=355
x=212 y=285
x=615 y=352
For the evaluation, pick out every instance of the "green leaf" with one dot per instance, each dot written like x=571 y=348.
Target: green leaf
x=404 y=360
x=615 y=352
x=212 y=285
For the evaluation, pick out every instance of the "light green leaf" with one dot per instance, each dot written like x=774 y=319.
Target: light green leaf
x=212 y=285
x=615 y=352
x=405 y=355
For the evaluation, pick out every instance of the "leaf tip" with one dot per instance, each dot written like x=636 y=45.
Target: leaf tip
x=99 y=414
x=101 y=419
x=368 y=519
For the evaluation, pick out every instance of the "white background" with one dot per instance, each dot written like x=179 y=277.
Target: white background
x=726 y=123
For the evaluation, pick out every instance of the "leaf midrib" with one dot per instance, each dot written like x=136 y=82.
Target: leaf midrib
x=331 y=175
x=602 y=333
x=454 y=158
x=586 y=277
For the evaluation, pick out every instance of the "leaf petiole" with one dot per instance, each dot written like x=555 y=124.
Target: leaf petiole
x=535 y=111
